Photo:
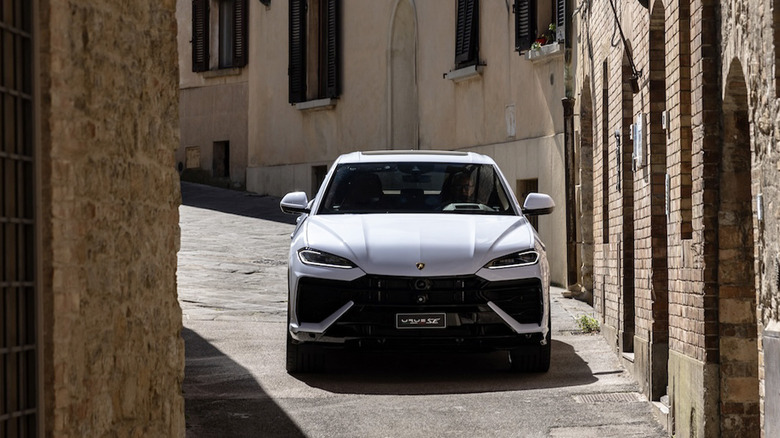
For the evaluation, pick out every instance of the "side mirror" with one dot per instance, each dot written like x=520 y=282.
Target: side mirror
x=295 y=203
x=537 y=204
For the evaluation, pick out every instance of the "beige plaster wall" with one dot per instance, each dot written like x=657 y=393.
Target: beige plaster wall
x=452 y=115
x=213 y=105
x=511 y=111
x=211 y=114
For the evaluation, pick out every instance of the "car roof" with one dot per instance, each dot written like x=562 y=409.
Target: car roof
x=438 y=156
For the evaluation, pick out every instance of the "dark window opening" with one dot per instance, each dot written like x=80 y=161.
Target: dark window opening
x=524 y=187
x=314 y=50
x=226 y=9
x=231 y=33
x=221 y=159
x=317 y=177
x=467 y=34
x=538 y=23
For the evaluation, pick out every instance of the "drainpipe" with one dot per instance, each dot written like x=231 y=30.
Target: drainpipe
x=572 y=270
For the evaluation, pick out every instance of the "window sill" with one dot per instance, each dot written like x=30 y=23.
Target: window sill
x=314 y=105
x=465 y=73
x=545 y=53
x=222 y=72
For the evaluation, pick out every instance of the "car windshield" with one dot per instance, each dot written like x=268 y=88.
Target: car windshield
x=416 y=187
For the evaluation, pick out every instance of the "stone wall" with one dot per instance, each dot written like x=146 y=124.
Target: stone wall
x=109 y=196
x=750 y=52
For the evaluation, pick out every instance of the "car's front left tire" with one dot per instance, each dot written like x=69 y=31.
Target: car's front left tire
x=303 y=358
x=532 y=358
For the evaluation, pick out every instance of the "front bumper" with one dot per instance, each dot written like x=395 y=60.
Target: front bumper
x=479 y=314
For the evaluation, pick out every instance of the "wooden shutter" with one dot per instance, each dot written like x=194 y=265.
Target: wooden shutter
x=560 y=20
x=297 y=62
x=240 y=29
x=200 y=35
x=332 y=41
x=525 y=24
x=466 y=33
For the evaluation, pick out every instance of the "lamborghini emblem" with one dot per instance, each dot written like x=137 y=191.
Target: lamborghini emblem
x=421 y=266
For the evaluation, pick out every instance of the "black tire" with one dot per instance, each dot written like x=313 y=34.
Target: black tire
x=303 y=358
x=532 y=358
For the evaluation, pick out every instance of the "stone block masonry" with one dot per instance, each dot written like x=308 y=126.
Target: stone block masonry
x=109 y=197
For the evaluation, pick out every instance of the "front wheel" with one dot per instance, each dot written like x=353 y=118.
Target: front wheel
x=303 y=358
x=532 y=358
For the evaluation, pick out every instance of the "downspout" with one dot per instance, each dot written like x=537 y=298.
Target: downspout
x=572 y=269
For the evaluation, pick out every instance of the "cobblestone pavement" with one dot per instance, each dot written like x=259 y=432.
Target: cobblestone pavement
x=232 y=290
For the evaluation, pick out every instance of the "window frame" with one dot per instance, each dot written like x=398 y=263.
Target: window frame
x=237 y=39
x=322 y=42
x=526 y=22
x=467 y=33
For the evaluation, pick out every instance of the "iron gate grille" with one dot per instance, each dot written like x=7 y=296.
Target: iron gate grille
x=18 y=374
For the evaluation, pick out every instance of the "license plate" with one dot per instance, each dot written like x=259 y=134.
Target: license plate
x=420 y=320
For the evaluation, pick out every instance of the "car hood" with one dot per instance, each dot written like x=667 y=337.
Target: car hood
x=394 y=244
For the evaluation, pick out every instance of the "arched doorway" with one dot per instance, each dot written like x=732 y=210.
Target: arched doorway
x=585 y=191
x=403 y=114
x=737 y=326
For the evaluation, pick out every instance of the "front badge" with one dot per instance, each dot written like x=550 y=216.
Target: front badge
x=420 y=266
x=420 y=320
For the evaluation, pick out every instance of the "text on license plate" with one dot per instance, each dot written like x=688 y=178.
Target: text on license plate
x=420 y=320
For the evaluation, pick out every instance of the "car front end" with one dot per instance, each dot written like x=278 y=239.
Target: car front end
x=473 y=277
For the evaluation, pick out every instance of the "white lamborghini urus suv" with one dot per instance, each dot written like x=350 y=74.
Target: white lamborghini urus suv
x=413 y=250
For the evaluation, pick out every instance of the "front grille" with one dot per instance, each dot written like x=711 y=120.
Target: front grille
x=378 y=299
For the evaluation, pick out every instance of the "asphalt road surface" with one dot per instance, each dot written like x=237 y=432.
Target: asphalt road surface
x=232 y=290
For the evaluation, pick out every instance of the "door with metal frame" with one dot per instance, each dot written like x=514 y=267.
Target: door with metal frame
x=18 y=338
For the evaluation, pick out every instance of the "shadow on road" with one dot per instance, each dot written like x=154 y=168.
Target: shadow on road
x=234 y=202
x=221 y=398
x=443 y=373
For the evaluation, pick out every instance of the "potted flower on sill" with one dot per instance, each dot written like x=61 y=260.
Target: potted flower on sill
x=545 y=38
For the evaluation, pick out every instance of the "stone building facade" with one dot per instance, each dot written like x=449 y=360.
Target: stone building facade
x=678 y=102
x=90 y=324
x=326 y=77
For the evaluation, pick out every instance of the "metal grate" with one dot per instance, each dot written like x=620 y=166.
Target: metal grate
x=610 y=397
x=18 y=373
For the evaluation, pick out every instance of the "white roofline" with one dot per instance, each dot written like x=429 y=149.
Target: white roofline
x=442 y=156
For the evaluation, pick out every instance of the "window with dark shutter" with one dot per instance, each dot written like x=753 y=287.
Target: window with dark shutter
x=200 y=35
x=467 y=33
x=240 y=31
x=297 y=57
x=331 y=43
x=560 y=20
x=314 y=64
x=525 y=24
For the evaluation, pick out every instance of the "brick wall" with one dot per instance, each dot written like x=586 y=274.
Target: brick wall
x=709 y=263
x=108 y=84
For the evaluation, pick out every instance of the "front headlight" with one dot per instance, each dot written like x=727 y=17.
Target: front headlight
x=312 y=257
x=515 y=260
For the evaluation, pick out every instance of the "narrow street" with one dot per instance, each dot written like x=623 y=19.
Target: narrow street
x=232 y=290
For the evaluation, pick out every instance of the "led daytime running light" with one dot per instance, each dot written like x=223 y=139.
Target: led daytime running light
x=312 y=257
x=516 y=260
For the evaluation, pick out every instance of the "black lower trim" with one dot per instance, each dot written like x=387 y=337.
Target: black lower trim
x=470 y=322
